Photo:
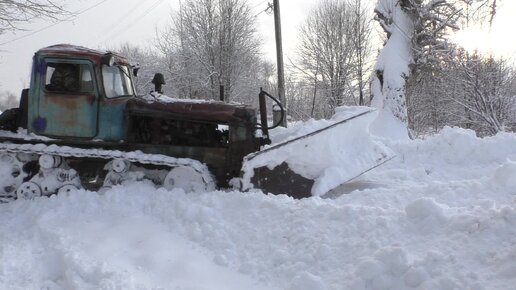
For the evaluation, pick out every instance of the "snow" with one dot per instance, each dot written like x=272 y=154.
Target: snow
x=441 y=215
x=393 y=63
x=162 y=98
x=326 y=163
x=23 y=133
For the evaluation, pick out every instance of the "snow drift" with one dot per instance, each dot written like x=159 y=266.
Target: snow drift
x=441 y=215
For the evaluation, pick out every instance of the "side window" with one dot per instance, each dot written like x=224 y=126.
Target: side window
x=68 y=78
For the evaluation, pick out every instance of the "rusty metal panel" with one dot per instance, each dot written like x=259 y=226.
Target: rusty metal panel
x=59 y=113
x=282 y=180
x=34 y=89
x=213 y=111
x=66 y=115
x=112 y=126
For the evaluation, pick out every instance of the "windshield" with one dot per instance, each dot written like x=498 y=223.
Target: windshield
x=117 y=81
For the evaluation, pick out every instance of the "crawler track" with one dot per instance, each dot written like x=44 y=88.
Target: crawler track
x=85 y=154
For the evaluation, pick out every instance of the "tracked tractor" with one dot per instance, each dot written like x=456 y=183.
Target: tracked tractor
x=81 y=125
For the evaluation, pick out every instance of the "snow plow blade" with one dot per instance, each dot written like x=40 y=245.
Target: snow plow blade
x=313 y=163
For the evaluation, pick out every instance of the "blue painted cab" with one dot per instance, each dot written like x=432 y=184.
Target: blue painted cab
x=79 y=93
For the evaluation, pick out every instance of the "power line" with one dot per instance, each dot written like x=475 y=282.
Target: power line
x=54 y=24
x=267 y=10
x=260 y=4
x=145 y=13
x=115 y=24
x=258 y=14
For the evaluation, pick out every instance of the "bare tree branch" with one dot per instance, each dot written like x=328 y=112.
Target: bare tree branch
x=13 y=13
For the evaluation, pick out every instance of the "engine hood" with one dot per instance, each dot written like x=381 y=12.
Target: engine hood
x=155 y=105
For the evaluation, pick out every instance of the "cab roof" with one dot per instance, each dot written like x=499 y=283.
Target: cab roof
x=75 y=51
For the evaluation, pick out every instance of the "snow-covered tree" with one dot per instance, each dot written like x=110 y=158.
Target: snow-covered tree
x=477 y=11
x=325 y=50
x=487 y=97
x=470 y=91
x=416 y=31
x=149 y=61
x=332 y=54
x=8 y=100
x=361 y=37
x=429 y=92
x=441 y=92
x=212 y=43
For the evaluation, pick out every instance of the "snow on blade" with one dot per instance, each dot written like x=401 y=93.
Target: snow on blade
x=330 y=152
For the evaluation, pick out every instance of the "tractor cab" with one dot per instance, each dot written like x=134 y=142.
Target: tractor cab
x=77 y=92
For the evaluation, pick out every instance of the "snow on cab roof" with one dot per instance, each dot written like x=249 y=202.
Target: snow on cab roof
x=78 y=51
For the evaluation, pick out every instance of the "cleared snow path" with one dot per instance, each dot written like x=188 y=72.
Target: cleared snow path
x=442 y=215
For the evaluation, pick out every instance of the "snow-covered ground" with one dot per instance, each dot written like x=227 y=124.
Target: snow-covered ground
x=441 y=215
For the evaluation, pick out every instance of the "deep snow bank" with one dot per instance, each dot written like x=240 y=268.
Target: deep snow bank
x=441 y=215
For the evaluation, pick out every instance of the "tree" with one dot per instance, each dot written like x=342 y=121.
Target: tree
x=430 y=107
x=488 y=97
x=8 y=100
x=332 y=54
x=416 y=31
x=149 y=61
x=362 y=48
x=477 y=11
x=471 y=91
x=451 y=90
x=212 y=43
x=13 y=13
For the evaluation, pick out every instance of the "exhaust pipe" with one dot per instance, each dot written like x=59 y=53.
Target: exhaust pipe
x=158 y=81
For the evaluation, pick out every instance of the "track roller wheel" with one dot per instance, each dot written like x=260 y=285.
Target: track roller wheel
x=66 y=189
x=186 y=178
x=120 y=165
x=53 y=175
x=28 y=190
x=11 y=176
x=50 y=161
x=120 y=172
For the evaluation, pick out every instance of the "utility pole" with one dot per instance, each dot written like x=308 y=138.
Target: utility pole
x=279 y=62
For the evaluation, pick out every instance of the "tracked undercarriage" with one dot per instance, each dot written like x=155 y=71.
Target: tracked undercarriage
x=37 y=169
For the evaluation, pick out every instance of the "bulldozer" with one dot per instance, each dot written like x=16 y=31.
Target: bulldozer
x=81 y=124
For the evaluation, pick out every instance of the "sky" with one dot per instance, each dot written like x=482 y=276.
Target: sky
x=499 y=39
x=108 y=23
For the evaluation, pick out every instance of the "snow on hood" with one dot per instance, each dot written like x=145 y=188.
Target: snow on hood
x=157 y=97
x=441 y=215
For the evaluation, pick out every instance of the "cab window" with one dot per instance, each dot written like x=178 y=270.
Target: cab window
x=68 y=78
x=116 y=81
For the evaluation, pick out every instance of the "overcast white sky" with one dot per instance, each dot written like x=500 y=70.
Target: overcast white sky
x=113 y=22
